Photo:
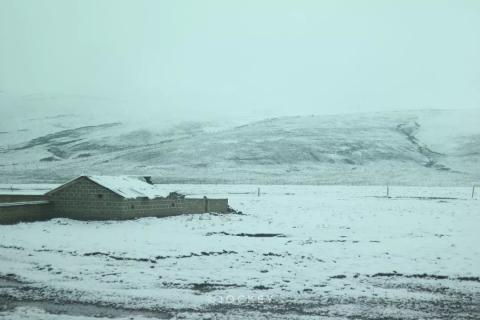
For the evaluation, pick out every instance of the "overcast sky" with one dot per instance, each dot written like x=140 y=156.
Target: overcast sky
x=263 y=57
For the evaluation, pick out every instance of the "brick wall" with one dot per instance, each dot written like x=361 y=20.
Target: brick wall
x=86 y=200
x=205 y=205
x=25 y=212
x=194 y=206
x=169 y=207
x=20 y=197
x=162 y=207
x=218 y=205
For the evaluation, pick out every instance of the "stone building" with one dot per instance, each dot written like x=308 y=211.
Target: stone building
x=106 y=198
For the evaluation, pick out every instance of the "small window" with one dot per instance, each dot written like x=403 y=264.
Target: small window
x=100 y=196
x=132 y=206
x=173 y=204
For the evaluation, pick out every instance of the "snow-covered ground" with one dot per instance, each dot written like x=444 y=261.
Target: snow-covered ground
x=295 y=252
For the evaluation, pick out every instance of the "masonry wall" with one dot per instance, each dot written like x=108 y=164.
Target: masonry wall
x=168 y=207
x=20 y=197
x=25 y=213
x=134 y=208
x=217 y=205
x=86 y=200
x=195 y=206
x=205 y=205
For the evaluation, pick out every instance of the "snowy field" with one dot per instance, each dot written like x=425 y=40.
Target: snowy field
x=295 y=252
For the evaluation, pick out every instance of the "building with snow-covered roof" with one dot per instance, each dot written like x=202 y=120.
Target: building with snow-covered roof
x=112 y=197
x=123 y=186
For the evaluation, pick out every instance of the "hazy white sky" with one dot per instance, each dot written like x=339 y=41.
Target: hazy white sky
x=265 y=57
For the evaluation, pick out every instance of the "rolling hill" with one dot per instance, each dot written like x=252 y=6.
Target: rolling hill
x=427 y=147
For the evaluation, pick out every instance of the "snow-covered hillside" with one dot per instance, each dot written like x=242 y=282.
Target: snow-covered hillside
x=430 y=147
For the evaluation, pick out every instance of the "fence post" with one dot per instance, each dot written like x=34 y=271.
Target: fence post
x=473 y=191
x=258 y=192
x=388 y=191
x=205 y=203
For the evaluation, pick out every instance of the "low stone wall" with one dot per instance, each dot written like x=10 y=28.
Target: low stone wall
x=20 y=197
x=194 y=206
x=217 y=205
x=170 y=207
x=136 y=208
x=205 y=205
x=25 y=212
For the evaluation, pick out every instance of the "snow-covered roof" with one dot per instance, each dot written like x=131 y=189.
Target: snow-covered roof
x=125 y=186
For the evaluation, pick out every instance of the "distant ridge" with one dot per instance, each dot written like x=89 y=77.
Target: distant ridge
x=426 y=147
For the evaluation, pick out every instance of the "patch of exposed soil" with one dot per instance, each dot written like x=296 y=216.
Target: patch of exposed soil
x=255 y=235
